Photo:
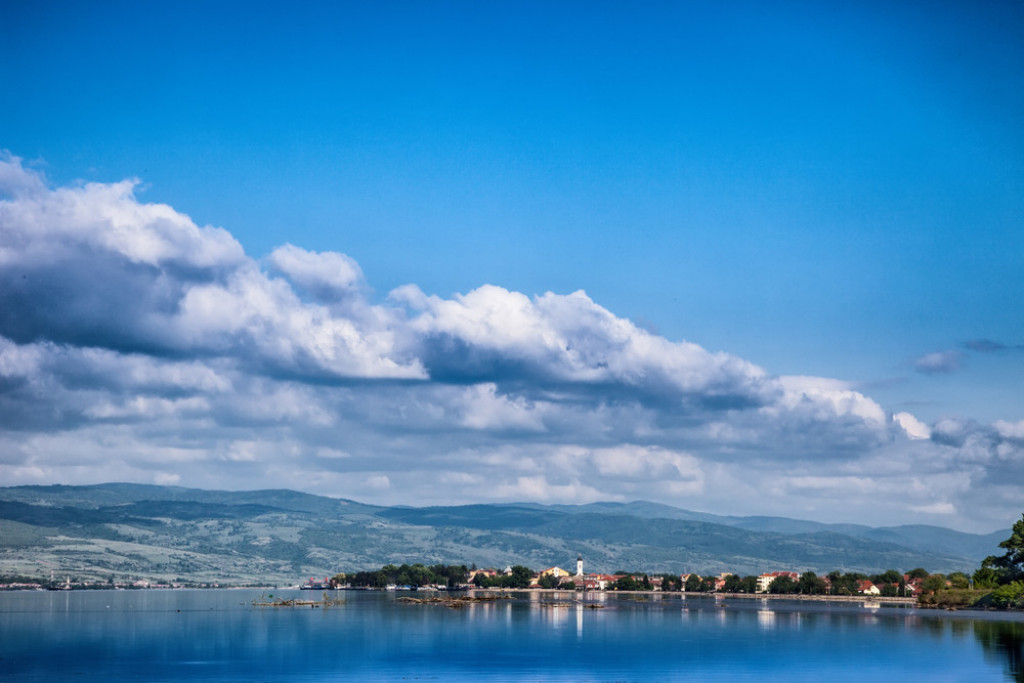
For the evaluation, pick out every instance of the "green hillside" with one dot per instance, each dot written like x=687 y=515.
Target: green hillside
x=128 y=531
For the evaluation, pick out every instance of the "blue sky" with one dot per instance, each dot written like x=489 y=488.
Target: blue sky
x=830 y=191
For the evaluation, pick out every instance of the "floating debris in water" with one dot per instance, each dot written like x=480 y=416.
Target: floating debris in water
x=327 y=601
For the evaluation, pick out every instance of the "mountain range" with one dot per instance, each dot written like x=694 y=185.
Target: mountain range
x=278 y=537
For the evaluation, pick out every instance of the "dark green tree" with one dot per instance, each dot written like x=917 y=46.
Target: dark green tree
x=627 y=583
x=986 y=577
x=671 y=583
x=548 y=581
x=844 y=584
x=693 y=584
x=520 y=577
x=1010 y=565
x=783 y=585
x=733 y=584
x=959 y=580
x=889 y=576
x=811 y=584
x=934 y=582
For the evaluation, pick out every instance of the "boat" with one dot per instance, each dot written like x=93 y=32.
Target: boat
x=314 y=585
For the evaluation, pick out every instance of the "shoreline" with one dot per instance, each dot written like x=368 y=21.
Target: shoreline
x=717 y=596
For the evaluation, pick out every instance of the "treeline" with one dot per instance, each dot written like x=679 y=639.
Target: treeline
x=891 y=583
x=519 y=577
x=999 y=581
x=417 y=575
x=1001 y=575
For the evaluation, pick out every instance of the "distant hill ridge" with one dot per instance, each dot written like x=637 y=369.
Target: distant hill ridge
x=279 y=536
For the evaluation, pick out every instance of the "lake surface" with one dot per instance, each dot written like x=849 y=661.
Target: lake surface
x=219 y=635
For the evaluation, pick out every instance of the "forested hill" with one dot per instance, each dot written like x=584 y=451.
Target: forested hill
x=280 y=537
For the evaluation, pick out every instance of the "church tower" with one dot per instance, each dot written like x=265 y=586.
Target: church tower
x=579 y=565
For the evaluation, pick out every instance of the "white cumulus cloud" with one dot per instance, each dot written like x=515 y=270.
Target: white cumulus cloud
x=136 y=345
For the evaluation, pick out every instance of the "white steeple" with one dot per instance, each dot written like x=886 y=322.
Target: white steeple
x=579 y=565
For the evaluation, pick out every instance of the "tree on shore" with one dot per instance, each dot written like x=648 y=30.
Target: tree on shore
x=811 y=584
x=548 y=581
x=889 y=576
x=1005 y=573
x=520 y=577
x=733 y=584
x=407 y=575
x=985 y=577
x=846 y=584
x=959 y=580
x=1009 y=566
x=626 y=583
x=934 y=582
x=783 y=585
x=671 y=583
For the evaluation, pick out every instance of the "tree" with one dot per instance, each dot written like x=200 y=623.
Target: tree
x=733 y=584
x=783 y=585
x=693 y=584
x=844 y=584
x=670 y=583
x=810 y=584
x=919 y=573
x=889 y=576
x=520 y=577
x=1011 y=564
x=1009 y=595
x=986 y=577
x=627 y=583
x=934 y=582
x=548 y=581
x=959 y=580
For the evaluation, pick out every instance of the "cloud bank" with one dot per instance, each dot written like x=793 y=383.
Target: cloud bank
x=136 y=345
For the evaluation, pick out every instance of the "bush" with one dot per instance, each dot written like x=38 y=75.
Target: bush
x=1009 y=596
x=952 y=597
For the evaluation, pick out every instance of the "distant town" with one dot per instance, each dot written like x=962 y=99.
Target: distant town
x=997 y=583
x=891 y=584
x=461 y=577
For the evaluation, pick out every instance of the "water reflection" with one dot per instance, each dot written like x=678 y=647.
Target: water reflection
x=216 y=635
x=1001 y=639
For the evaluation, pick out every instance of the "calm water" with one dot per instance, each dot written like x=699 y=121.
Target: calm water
x=219 y=635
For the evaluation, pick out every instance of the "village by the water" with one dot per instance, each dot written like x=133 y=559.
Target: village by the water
x=418 y=577
x=998 y=583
